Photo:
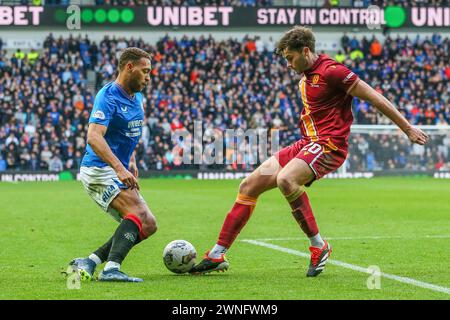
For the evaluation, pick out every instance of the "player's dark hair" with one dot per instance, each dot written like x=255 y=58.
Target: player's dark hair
x=297 y=38
x=133 y=55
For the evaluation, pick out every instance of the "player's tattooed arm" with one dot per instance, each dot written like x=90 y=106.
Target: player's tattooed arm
x=95 y=138
x=365 y=92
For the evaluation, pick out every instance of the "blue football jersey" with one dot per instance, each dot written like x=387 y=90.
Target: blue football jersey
x=123 y=115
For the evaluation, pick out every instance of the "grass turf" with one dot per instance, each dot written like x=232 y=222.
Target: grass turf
x=45 y=225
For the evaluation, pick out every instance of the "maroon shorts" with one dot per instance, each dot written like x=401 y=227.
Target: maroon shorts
x=322 y=156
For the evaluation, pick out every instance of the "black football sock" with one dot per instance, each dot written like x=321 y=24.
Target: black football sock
x=123 y=240
x=104 y=250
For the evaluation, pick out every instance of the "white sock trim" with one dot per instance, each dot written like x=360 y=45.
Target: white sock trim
x=112 y=265
x=217 y=251
x=95 y=258
x=317 y=241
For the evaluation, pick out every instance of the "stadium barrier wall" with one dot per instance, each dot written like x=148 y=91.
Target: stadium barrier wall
x=45 y=176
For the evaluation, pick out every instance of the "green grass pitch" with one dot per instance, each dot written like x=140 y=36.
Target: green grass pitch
x=401 y=225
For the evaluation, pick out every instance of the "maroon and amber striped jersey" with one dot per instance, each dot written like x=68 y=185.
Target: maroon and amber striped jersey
x=327 y=106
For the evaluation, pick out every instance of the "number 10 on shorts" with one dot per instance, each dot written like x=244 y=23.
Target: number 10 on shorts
x=313 y=148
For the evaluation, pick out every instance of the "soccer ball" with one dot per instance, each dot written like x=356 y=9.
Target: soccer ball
x=179 y=256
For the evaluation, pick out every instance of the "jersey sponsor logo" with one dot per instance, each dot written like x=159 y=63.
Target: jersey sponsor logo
x=99 y=115
x=123 y=108
x=133 y=134
x=135 y=124
x=135 y=128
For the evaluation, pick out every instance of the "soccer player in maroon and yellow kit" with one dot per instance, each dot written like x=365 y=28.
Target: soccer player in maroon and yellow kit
x=327 y=89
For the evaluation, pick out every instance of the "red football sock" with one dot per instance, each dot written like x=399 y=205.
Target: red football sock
x=236 y=219
x=302 y=212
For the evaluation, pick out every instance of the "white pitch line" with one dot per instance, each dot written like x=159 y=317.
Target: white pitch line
x=443 y=236
x=406 y=280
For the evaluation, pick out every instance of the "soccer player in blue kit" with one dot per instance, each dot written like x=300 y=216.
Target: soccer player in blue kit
x=108 y=169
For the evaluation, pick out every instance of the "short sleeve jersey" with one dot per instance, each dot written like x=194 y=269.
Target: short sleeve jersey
x=123 y=115
x=327 y=105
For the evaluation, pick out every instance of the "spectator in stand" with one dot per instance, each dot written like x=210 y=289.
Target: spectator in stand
x=55 y=164
x=32 y=56
x=19 y=55
x=375 y=49
x=356 y=54
x=3 y=163
x=340 y=57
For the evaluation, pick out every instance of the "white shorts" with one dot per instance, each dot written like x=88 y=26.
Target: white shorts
x=103 y=185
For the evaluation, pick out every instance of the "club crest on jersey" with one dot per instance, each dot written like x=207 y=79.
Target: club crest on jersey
x=99 y=115
x=315 y=80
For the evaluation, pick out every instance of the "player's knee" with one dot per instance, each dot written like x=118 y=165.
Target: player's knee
x=251 y=186
x=244 y=186
x=147 y=231
x=285 y=183
x=149 y=226
x=148 y=222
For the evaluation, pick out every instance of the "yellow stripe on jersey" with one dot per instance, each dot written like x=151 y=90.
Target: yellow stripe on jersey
x=329 y=146
x=306 y=118
x=332 y=145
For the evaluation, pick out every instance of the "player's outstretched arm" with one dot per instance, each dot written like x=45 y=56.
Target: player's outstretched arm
x=95 y=138
x=365 y=92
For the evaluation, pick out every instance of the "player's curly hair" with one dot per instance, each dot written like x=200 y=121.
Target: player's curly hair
x=297 y=38
x=132 y=54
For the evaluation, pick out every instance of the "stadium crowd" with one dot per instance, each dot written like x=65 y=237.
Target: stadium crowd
x=377 y=152
x=45 y=98
x=412 y=73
